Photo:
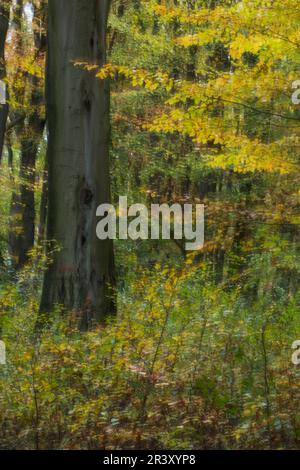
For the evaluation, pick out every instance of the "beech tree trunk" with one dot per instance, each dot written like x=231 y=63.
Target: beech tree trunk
x=78 y=161
x=4 y=21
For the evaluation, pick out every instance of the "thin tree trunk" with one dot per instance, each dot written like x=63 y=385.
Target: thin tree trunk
x=4 y=21
x=29 y=151
x=78 y=162
x=43 y=208
x=30 y=131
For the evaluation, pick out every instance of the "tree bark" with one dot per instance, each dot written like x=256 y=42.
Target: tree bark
x=78 y=161
x=4 y=21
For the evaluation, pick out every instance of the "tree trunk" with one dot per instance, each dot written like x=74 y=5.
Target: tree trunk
x=78 y=162
x=4 y=21
x=30 y=132
x=43 y=209
x=29 y=151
